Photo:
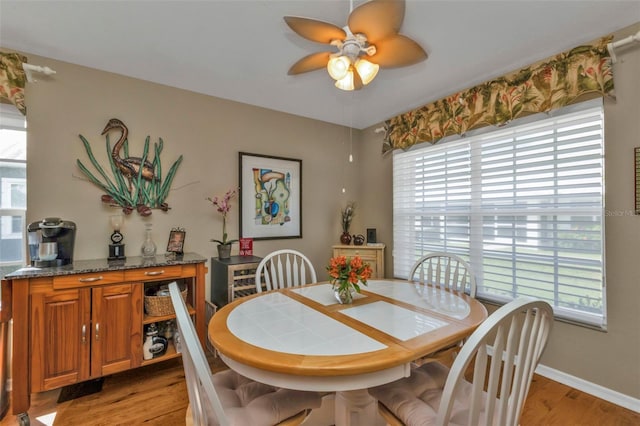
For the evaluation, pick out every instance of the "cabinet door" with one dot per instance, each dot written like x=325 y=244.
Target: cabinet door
x=60 y=338
x=116 y=328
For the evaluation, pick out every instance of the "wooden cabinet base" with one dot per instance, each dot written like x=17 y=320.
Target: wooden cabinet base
x=83 y=326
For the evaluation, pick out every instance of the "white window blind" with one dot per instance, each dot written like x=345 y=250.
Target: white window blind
x=523 y=204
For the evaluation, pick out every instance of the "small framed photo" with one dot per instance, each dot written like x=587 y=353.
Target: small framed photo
x=176 y=241
x=270 y=197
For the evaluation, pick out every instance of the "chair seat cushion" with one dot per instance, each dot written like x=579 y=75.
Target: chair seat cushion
x=251 y=403
x=415 y=399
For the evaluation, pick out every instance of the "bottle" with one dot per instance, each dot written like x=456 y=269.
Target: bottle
x=177 y=340
x=148 y=247
x=168 y=330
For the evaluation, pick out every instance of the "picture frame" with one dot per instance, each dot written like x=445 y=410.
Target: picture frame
x=176 y=241
x=270 y=197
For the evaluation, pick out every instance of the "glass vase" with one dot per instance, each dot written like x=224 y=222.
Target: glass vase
x=149 y=248
x=343 y=293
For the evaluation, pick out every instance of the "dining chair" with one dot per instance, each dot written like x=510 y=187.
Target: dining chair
x=449 y=271
x=227 y=398
x=284 y=268
x=445 y=270
x=504 y=352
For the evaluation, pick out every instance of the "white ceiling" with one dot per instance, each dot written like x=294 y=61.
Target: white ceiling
x=241 y=50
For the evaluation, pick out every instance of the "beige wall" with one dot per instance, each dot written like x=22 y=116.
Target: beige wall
x=610 y=359
x=209 y=133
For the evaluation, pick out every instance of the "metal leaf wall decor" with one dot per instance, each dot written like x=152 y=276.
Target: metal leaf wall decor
x=135 y=182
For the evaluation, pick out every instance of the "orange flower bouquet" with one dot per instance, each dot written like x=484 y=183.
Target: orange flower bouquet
x=346 y=276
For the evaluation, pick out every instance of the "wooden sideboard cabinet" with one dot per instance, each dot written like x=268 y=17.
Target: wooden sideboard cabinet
x=373 y=255
x=88 y=320
x=233 y=277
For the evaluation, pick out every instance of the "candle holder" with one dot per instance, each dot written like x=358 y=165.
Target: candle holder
x=116 y=248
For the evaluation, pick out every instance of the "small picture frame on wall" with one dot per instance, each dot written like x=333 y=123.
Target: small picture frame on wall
x=270 y=197
x=176 y=241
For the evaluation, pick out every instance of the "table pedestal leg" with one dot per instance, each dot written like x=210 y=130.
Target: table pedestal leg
x=356 y=408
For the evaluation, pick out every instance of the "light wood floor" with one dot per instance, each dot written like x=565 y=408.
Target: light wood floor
x=156 y=395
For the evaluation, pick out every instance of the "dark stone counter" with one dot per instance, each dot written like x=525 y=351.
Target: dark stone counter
x=102 y=265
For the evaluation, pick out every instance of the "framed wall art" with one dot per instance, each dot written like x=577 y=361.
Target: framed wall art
x=270 y=197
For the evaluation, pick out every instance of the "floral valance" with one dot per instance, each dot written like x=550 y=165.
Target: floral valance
x=563 y=79
x=13 y=79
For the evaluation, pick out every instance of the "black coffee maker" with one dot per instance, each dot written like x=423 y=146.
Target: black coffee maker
x=51 y=242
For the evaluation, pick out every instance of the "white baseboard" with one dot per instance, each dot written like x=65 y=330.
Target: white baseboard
x=582 y=385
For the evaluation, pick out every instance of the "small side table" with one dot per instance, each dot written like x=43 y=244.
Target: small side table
x=372 y=254
x=233 y=277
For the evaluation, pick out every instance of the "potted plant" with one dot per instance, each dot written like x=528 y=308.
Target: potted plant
x=347 y=216
x=346 y=276
x=223 y=206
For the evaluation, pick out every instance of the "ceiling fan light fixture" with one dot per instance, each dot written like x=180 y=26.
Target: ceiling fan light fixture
x=372 y=32
x=338 y=67
x=346 y=83
x=367 y=70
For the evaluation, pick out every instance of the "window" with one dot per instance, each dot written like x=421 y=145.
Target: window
x=13 y=186
x=523 y=204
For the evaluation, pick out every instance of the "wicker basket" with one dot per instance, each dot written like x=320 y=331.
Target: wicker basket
x=157 y=306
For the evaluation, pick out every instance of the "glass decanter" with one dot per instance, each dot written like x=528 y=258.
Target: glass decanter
x=148 y=247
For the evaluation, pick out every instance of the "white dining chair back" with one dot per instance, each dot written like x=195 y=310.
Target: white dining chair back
x=283 y=269
x=226 y=398
x=197 y=371
x=504 y=352
x=446 y=270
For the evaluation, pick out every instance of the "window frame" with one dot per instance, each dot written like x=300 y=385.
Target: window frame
x=13 y=120
x=466 y=242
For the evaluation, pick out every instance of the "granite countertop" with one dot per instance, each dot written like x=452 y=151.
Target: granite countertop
x=102 y=265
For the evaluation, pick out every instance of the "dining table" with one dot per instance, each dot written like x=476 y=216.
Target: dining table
x=302 y=338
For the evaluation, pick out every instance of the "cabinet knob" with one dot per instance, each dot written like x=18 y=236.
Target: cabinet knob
x=97 y=332
x=84 y=334
x=154 y=273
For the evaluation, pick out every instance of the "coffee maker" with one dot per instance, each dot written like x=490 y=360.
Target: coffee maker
x=51 y=242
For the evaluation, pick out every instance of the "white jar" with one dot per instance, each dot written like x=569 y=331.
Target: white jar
x=146 y=347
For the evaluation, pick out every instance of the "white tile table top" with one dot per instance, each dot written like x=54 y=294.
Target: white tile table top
x=393 y=320
x=277 y=322
x=396 y=321
x=422 y=296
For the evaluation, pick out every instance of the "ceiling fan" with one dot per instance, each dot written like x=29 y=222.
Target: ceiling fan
x=369 y=41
